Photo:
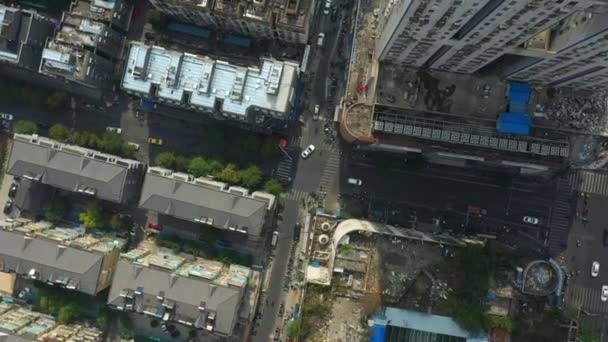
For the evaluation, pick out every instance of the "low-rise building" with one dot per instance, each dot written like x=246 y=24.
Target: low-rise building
x=116 y=13
x=91 y=35
x=198 y=293
x=22 y=37
x=285 y=20
x=254 y=95
x=74 y=168
x=206 y=202
x=64 y=257
x=18 y=324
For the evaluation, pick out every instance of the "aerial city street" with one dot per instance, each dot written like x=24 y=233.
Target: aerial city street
x=304 y=170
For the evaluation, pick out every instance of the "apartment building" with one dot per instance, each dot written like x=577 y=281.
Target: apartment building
x=256 y=96
x=467 y=36
x=90 y=35
x=114 y=13
x=202 y=294
x=75 y=169
x=285 y=20
x=207 y=202
x=23 y=34
x=64 y=257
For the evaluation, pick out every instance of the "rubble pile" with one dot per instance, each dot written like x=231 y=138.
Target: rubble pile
x=586 y=113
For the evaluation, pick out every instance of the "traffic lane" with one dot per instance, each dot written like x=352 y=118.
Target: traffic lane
x=310 y=171
x=281 y=257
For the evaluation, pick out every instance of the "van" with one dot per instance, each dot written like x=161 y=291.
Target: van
x=355 y=181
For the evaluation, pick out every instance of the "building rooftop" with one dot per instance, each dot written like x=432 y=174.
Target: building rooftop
x=21 y=324
x=57 y=255
x=66 y=61
x=202 y=82
x=73 y=168
x=205 y=201
x=115 y=12
x=13 y=30
x=86 y=33
x=193 y=291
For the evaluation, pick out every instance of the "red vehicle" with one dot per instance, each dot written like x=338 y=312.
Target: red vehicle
x=136 y=12
x=155 y=226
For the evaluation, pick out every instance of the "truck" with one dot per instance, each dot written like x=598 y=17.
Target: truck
x=275 y=238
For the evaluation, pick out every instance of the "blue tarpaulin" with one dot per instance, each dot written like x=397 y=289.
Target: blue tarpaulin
x=237 y=40
x=188 y=29
x=519 y=93
x=514 y=123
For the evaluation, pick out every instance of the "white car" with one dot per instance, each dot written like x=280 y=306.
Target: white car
x=315 y=117
x=320 y=38
x=135 y=145
x=531 y=220
x=595 y=269
x=308 y=151
x=116 y=130
x=604 y=293
x=5 y=116
x=327 y=7
x=355 y=181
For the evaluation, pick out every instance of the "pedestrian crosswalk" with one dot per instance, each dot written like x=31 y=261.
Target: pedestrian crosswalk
x=589 y=181
x=588 y=298
x=305 y=141
x=329 y=173
x=295 y=195
x=561 y=214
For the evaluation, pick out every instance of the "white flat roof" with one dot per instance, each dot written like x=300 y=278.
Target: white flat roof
x=268 y=87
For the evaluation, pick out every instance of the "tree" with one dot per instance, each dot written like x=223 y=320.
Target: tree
x=86 y=139
x=158 y=20
x=111 y=143
x=59 y=132
x=274 y=187
x=67 y=312
x=502 y=322
x=229 y=174
x=199 y=167
x=215 y=167
x=116 y=222
x=165 y=159
x=26 y=127
x=93 y=216
x=56 y=209
x=182 y=163
x=586 y=335
x=56 y=100
x=297 y=328
x=251 y=176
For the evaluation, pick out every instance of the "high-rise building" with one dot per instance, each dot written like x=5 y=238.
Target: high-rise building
x=550 y=42
x=285 y=20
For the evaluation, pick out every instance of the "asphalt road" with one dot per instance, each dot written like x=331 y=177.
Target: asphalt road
x=584 y=289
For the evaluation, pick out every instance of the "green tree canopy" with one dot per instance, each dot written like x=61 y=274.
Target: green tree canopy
x=93 y=216
x=158 y=20
x=199 y=167
x=251 y=176
x=165 y=159
x=59 y=132
x=229 y=174
x=215 y=167
x=274 y=187
x=111 y=143
x=85 y=138
x=182 y=163
x=56 y=209
x=26 y=127
x=297 y=328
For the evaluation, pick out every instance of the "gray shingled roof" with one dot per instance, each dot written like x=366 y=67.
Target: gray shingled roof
x=189 y=201
x=68 y=171
x=186 y=292
x=20 y=255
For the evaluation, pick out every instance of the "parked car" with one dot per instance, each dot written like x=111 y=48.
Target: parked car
x=135 y=146
x=8 y=206
x=327 y=7
x=13 y=190
x=24 y=292
x=595 y=269
x=277 y=334
x=5 y=116
x=355 y=181
x=155 y=226
x=155 y=141
x=531 y=220
x=111 y=129
x=308 y=151
x=320 y=39
x=604 y=293
x=315 y=117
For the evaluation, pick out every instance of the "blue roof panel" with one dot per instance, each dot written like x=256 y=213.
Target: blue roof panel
x=514 y=123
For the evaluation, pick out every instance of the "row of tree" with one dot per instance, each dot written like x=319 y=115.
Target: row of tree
x=107 y=142
x=198 y=166
x=204 y=250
